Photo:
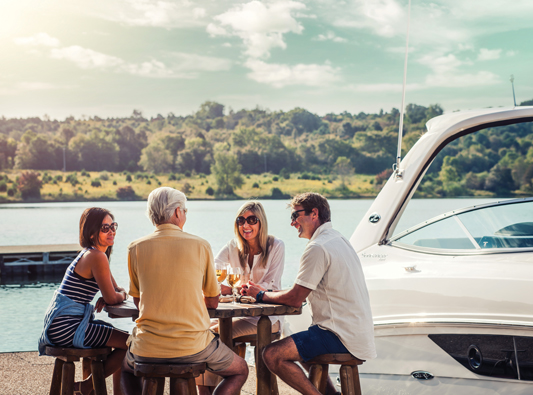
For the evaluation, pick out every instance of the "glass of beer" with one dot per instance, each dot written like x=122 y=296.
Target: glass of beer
x=221 y=269
x=234 y=276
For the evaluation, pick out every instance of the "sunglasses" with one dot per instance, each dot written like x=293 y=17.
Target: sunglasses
x=252 y=220
x=295 y=215
x=105 y=228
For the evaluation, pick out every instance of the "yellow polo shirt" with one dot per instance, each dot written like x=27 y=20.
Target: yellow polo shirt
x=170 y=272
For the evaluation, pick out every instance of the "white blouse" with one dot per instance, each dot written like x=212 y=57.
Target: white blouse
x=268 y=277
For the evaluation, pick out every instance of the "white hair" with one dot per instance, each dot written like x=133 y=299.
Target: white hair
x=162 y=202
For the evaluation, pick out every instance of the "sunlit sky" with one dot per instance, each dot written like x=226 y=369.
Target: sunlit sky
x=108 y=57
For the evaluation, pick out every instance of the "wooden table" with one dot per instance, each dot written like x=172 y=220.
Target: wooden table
x=225 y=313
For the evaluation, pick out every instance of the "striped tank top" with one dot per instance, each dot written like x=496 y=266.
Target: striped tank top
x=82 y=290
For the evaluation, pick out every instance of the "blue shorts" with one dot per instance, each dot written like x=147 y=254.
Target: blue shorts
x=317 y=341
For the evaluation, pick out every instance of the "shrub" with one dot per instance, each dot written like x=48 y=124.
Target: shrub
x=210 y=191
x=148 y=182
x=58 y=178
x=46 y=178
x=255 y=185
x=3 y=186
x=383 y=176
x=172 y=177
x=276 y=193
x=73 y=179
x=128 y=178
x=126 y=193
x=187 y=173
x=104 y=176
x=114 y=182
x=29 y=185
x=186 y=188
x=96 y=183
x=85 y=174
x=275 y=178
x=11 y=191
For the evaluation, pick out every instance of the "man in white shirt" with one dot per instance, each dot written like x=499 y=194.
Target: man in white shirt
x=331 y=278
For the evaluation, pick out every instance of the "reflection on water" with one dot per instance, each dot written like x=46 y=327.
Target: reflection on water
x=22 y=305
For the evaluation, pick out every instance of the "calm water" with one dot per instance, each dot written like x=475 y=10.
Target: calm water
x=22 y=306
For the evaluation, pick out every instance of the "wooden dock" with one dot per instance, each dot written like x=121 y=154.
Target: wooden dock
x=36 y=260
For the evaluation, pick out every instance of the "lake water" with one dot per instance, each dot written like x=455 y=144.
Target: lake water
x=22 y=307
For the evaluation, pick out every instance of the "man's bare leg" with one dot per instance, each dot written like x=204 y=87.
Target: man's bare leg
x=281 y=357
x=234 y=377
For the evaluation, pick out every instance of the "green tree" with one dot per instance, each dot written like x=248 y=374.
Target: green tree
x=155 y=158
x=227 y=171
x=344 y=169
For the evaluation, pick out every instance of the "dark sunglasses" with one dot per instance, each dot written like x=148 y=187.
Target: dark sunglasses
x=105 y=228
x=252 y=220
x=295 y=215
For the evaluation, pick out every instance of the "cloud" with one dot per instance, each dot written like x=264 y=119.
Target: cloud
x=165 y=14
x=382 y=88
x=261 y=26
x=489 y=54
x=281 y=75
x=85 y=58
x=39 y=39
x=178 y=65
x=446 y=72
x=330 y=36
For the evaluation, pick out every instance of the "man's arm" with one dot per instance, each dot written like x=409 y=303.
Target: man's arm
x=211 y=302
x=291 y=297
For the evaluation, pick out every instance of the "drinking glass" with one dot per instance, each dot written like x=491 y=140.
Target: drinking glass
x=234 y=276
x=222 y=271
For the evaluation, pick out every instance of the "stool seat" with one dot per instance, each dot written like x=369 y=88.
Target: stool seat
x=349 y=373
x=64 y=369
x=181 y=377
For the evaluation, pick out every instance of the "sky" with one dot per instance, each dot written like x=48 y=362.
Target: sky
x=108 y=57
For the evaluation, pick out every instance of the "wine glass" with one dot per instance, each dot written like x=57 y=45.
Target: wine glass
x=234 y=276
x=221 y=269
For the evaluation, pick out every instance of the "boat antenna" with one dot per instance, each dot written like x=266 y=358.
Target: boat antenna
x=512 y=85
x=396 y=167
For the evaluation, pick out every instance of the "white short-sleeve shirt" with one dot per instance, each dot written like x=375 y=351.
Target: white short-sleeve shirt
x=269 y=277
x=339 y=299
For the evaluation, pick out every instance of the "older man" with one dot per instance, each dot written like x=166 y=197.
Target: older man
x=331 y=278
x=173 y=282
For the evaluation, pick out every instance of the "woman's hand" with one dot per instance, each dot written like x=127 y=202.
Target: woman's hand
x=225 y=290
x=100 y=303
x=251 y=289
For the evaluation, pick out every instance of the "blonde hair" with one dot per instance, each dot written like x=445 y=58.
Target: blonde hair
x=265 y=241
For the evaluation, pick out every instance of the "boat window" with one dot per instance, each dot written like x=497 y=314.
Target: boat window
x=501 y=226
x=445 y=234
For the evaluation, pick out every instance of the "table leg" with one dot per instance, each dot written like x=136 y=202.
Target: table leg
x=264 y=337
x=226 y=331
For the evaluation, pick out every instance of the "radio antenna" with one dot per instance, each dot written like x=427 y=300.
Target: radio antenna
x=396 y=167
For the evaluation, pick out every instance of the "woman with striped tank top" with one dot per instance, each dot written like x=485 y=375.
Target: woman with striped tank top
x=69 y=321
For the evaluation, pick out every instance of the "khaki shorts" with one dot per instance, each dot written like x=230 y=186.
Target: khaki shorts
x=217 y=357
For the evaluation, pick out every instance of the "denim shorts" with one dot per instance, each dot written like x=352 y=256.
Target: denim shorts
x=317 y=341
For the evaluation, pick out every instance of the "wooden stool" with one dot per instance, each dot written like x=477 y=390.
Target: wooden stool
x=318 y=372
x=181 y=377
x=239 y=346
x=63 y=376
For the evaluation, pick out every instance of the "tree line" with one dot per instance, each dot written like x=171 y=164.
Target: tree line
x=229 y=143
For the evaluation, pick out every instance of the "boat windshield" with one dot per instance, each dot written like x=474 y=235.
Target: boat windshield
x=500 y=225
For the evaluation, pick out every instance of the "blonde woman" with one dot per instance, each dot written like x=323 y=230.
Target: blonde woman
x=262 y=259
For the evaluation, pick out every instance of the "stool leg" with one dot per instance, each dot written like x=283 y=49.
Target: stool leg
x=347 y=386
x=323 y=379
x=55 y=386
x=356 y=380
x=86 y=367
x=150 y=385
x=274 y=384
x=160 y=386
x=67 y=382
x=179 y=386
x=315 y=375
x=192 y=386
x=97 y=368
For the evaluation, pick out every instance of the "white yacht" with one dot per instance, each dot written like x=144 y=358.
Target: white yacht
x=452 y=297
